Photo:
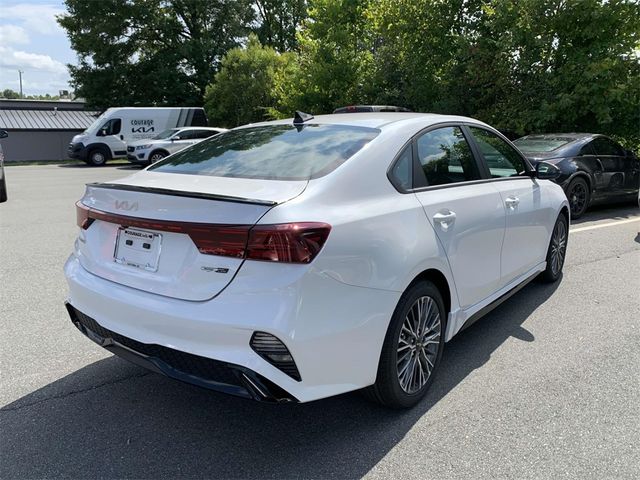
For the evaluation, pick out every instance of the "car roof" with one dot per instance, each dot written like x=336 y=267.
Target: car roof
x=197 y=128
x=572 y=137
x=375 y=119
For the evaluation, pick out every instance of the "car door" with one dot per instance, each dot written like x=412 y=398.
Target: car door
x=527 y=232
x=612 y=160
x=182 y=140
x=467 y=214
x=112 y=136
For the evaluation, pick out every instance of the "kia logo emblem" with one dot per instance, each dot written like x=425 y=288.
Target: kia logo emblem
x=124 y=205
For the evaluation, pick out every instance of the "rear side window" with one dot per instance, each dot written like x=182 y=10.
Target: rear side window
x=502 y=159
x=446 y=157
x=604 y=146
x=274 y=152
x=205 y=133
x=401 y=173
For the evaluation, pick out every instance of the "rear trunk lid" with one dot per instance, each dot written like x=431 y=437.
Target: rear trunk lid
x=171 y=234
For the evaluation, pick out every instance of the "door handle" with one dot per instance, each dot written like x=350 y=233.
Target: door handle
x=512 y=202
x=445 y=219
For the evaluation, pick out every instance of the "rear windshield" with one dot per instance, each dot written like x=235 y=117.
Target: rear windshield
x=541 y=145
x=274 y=152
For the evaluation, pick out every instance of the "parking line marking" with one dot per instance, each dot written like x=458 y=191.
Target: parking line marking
x=604 y=225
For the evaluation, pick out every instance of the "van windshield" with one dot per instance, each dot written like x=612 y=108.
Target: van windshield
x=97 y=123
x=274 y=152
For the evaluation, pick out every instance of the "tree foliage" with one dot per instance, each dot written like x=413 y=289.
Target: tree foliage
x=522 y=65
x=150 y=52
x=245 y=88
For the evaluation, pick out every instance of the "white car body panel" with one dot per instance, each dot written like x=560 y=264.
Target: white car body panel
x=333 y=313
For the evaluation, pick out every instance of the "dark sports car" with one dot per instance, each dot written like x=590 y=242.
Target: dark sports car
x=595 y=169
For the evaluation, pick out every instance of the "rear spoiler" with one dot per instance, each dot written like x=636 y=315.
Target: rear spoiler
x=181 y=193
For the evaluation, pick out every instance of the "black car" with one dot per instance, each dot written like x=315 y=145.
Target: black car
x=3 y=182
x=595 y=169
x=370 y=108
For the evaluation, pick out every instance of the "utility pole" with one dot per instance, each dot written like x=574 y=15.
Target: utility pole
x=20 y=72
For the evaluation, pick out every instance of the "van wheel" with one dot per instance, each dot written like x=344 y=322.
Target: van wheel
x=97 y=157
x=412 y=348
x=157 y=156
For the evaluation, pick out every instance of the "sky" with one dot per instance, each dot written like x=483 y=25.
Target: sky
x=32 y=41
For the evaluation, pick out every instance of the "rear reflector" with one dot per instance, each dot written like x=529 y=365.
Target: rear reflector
x=275 y=352
x=287 y=242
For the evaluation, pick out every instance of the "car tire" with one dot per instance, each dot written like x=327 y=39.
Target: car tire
x=156 y=156
x=412 y=350
x=557 y=251
x=578 y=195
x=97 y=157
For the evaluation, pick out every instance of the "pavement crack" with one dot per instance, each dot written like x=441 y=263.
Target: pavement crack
x=71 y=393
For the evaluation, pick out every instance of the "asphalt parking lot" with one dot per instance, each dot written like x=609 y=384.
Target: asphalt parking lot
x=545 y=386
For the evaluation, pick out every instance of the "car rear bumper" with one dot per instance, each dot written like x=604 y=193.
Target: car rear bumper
x=201 y=371
x=333 y=331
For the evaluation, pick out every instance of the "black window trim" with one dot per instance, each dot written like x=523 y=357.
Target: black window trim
x=480 y=163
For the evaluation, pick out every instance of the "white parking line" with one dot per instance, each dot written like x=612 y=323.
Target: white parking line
x=604 y=225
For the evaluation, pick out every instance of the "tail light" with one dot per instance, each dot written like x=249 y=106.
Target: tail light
x=287 y=242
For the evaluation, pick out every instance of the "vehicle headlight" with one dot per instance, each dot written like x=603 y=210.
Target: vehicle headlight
x=143 y=147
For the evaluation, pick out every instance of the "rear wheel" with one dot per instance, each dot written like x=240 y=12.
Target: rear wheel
x=578 y=196
x=557 y=250
x=97 y=157
x=412 y=348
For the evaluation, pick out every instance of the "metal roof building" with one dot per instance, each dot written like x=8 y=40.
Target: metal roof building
x=41 y=130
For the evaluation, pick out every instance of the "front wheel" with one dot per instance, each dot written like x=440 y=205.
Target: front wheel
x=412 y=348
x=557 y=250
x=156 y=156
x=97 y=157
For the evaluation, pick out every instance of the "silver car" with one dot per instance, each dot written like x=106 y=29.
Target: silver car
x=151 y=150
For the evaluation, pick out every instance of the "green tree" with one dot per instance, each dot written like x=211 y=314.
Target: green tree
x=10 y=94
x=150 y=52
x=278 y=22
x=245 y=89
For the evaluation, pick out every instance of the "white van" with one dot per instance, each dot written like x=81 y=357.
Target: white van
x=107 y=137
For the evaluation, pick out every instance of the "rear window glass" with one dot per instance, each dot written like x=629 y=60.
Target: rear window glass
x=541 y=145
x=274 y=152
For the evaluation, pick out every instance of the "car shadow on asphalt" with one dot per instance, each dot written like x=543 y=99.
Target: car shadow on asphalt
x=113 y=419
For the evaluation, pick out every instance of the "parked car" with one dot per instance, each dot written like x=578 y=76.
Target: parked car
x=108 y=136
x=291 y=261
x=370 y=108
x=594 y=168
x=3 y=181
x=165 y=143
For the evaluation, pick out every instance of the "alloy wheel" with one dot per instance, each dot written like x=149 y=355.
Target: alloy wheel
x=418 y=344
x=558 y=247
x=578 y=198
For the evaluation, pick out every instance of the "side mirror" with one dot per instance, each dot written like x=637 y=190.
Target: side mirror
x=102 y=133
x=3 y=134
x=547 y=171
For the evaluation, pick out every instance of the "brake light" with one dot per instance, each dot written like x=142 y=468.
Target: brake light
x=287 y=242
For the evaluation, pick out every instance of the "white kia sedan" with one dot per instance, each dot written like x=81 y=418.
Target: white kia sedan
x=299 y=259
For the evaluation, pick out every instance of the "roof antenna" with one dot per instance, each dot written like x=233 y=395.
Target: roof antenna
x=301 y=117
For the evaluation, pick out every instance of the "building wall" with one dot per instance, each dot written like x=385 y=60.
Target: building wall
x=36 y=145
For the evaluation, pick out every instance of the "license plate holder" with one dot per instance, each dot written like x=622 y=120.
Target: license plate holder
x=138 y=248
